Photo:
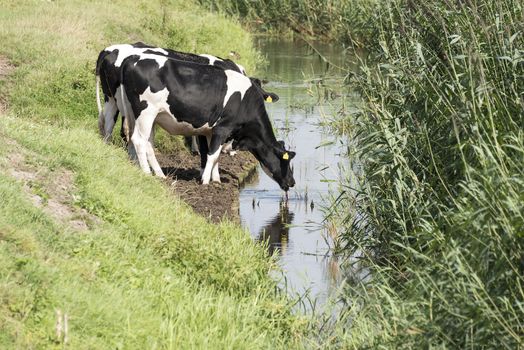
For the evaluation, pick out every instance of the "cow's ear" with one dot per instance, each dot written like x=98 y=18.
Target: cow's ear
x=270 y=97
x=283 y=154
x=287 y=155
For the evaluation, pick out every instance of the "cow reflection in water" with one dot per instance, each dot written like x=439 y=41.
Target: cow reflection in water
x=276 y=232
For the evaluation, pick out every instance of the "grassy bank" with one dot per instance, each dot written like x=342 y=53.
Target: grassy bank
x=83 y=233
x=435 y=203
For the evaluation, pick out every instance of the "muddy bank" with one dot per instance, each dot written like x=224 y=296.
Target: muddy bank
x=216 y=200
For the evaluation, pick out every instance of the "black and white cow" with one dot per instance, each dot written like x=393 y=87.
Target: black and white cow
x=108 y=76
x=193 y=99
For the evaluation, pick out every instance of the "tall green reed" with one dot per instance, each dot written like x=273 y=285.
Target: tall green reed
x=438 y=211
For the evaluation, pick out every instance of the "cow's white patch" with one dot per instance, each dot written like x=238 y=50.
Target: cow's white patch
x=156 y=100
x=215 y=174
x=160 y=60
x=211 y=58
x=126 y=50
x=151 y=158
x=228 y=148
x=142 y=132
x=157 y=110
x=157 y=104
x=235 y=82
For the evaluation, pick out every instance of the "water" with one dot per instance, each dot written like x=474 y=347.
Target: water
x=294 y=228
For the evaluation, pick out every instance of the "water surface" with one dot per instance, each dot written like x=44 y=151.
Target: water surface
x=294 y=229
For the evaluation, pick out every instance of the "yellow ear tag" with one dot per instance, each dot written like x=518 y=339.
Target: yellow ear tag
x=285 y=156
x=269 y=99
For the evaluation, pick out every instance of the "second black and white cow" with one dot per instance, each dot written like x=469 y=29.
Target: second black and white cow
x=193 y=99
x=108 y=76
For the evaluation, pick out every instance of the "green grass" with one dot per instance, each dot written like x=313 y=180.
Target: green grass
x=145 y=272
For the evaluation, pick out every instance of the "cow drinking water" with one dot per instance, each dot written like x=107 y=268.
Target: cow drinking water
x=108 y=68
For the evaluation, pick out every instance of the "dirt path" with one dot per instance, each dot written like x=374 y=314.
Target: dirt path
x=216 y=200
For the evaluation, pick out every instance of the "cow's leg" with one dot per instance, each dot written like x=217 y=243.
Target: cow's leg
x=110 y=115
x=151 y=158
x=194 y=144
x=212 y=160
x=124 y=131
x=101 y=122
x=215 y=146
x=215 y=176
x=140 y=139
x=203 y=148
x=131 y=151
x=128 y=125
x=228 y=148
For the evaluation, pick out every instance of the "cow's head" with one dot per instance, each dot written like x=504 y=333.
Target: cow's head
x=277 y=165
x=268 y=96
x=274 y=160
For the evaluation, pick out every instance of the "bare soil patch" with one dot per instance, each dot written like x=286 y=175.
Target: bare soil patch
x=215 y=201
x=51 y=190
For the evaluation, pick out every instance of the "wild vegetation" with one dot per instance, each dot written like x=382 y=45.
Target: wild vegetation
x=346 y=21
x=93 y=254
x=435 y=201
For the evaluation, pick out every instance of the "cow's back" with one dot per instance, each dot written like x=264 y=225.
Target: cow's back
x=194 y=93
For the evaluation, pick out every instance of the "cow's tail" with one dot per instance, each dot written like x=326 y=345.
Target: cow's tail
x=101 y=120
x=125 y=116
x=98 y=104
